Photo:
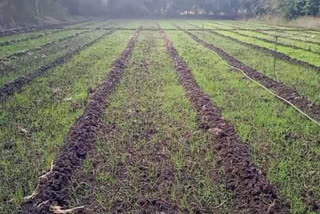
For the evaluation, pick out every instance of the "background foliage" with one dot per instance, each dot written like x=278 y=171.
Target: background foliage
x=13 y=11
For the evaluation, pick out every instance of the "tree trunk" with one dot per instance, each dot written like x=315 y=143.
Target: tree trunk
x=37 y=7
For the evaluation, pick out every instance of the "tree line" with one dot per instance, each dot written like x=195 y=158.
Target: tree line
x=287 y=8
x=24 y=10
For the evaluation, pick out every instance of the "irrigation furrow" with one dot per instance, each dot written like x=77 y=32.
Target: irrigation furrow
x=288 y=37
x=36 y=29
x=7 y=58
x=303 y=34
x=266 y=50
x=269 y=51
x=53 y=190
x=11 y=88
x=282 y=90
x=11 y=42
x=253 y=193
x=279 y=43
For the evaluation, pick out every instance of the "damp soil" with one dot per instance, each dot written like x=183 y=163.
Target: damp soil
x=280 y=89
x=132 y=172
x=252 y=192
x=53 y=190
x=149 y=160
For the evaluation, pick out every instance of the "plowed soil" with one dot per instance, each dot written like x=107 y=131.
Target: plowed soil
x=282 y=90
x=253 y=194
x=52 y=191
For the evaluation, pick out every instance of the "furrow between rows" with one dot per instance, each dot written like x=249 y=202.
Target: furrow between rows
x=288 y=37
x=21 y=53
x=282 y=90
x=36 y=29
x=11 y=88
x=264 y=49
x=53 y=190
x=278 y=43
x=252 y=192
x=269 y=51
x=11 y=42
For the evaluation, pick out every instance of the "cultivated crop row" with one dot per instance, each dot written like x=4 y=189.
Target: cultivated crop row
x=255 y=112
x=166 y=120
x=150 y=155
x=35 y=122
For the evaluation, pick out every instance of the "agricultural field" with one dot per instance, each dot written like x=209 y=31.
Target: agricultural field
x=160 y=116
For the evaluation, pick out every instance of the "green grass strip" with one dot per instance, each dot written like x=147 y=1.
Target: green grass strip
x=305 y=81
x=30 y=44
x=283 y=143
x=34 y=123
x=156 y=143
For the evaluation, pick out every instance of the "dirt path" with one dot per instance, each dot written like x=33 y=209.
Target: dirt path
x=280 y=89
x=253 y=193
x=53 y=189
x=16 y=85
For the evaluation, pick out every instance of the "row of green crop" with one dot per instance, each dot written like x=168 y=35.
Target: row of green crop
x=282 y=40
x=284 y=144
x=31 y=40
x=30 y=63
x=304 y=55
x=32 y=44
x=26 y=36
x=288 y=31
x=35 y=122
x=305 y=81
x=296 y=36
x=155 y=152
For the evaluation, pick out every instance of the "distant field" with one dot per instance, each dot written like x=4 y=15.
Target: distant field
x=160 y=116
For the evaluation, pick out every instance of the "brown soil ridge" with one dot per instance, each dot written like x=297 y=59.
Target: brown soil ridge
x=279 y=43
x=11 y=88
x=167 y=29
x=279 y=88
x=293 y=39
x=279 y=55
x=11 y=42
x=11 y=32
x=53 y=190
x=252 y=192
x=142 y=160
x=7 y=58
